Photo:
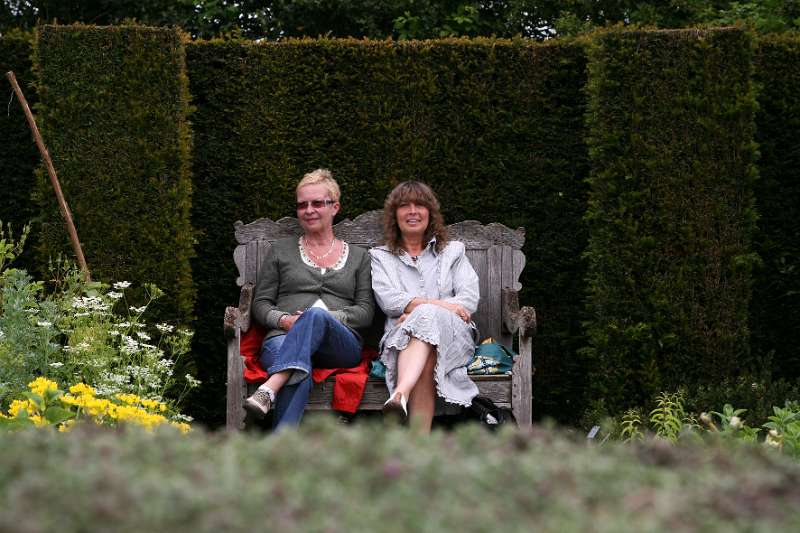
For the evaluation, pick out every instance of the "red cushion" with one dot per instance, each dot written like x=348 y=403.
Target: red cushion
x=250 y=349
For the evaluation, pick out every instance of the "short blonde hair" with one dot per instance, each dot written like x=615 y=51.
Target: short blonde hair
x=321 y=176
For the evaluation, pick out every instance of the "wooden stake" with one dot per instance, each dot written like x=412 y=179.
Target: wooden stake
x=62 y=203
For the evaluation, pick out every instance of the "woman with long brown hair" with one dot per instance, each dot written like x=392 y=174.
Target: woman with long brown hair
x=428 y=290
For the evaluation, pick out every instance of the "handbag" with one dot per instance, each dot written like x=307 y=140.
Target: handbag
x=491 y=358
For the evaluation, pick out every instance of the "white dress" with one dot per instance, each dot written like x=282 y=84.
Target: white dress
x=448 y=276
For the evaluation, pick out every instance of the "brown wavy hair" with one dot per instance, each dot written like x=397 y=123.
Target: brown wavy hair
x=421 y=194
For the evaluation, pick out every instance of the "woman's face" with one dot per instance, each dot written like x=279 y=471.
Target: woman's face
x=412 y=219
x=315 y=208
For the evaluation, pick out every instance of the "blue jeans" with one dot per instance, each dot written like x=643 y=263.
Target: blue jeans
x=316 y=340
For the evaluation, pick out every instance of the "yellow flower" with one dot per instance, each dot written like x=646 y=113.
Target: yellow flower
x=82 y=389
x=19 y=405
x=41 y=385
x=130 y=399
x=66 y=426
x=182 y=426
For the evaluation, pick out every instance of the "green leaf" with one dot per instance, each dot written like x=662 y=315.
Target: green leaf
x=56 y=415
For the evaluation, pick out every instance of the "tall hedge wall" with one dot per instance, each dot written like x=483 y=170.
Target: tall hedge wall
x=113 y=110
x=18 y=154
x=671 y=124
x=496 y=127
x=776 y=292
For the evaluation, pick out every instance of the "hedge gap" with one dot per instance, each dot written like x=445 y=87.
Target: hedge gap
x=18 y=153
x=776 y=292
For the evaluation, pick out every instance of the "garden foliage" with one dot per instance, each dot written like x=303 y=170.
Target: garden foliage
x=670 y=214
x=113 y=111
x=367 y=478
x=498 y=128
x=88 y=339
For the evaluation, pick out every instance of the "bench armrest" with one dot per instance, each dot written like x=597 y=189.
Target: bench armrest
x=522 y=319
x=516 y=318
x=236 y=322
x=239 y=316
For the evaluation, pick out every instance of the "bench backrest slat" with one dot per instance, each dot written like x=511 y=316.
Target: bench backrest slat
x=494 y=251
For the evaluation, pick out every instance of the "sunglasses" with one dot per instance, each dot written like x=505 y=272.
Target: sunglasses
x=316 y=204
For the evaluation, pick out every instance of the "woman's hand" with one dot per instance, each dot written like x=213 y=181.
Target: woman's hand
x=287 y=321
x=462 y=313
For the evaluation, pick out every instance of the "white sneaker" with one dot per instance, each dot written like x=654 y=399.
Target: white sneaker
x=259 y=403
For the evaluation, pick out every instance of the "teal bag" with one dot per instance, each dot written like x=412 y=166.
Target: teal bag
x=378 y=369
x=491 y=358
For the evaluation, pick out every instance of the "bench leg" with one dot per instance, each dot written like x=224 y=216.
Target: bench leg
x=234 y=409
x=521 y=382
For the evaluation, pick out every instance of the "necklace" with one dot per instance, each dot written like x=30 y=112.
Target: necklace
x=318 y=258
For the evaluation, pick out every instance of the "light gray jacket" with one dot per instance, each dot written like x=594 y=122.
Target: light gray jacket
x=396 y=279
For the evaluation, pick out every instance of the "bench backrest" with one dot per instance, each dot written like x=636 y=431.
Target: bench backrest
x=494 y=251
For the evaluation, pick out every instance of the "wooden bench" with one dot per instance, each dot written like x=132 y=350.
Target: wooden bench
x=495 y=253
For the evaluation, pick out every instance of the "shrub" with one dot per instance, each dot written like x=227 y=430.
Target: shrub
x=325 y=477
x=670 y=211
x=775 y=308
x=113 y=111
x=74 y=332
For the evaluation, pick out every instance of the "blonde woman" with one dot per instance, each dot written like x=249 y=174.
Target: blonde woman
x=313 y=296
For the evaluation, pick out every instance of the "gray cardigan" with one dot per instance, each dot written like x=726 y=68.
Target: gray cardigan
x=286 y=285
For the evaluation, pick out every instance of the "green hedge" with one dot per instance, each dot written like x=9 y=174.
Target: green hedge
x=776 y=292
x=329 y=478
x=671 y=125
x=18 y=153
x=496 y=127
x=113 y=110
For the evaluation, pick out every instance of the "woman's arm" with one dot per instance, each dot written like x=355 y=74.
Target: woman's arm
x=391 y=299
x=263 y=308
x=359 y=315
x=466 y=287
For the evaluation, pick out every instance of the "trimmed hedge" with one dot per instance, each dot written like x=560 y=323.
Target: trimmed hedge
x=496 y=127
x=18 y=153
x=671 y=124
x=329 y=478
x=113 y=110
x=776 y=292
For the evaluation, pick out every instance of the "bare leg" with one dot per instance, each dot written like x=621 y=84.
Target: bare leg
x=278 y=380
x=422 y=401
x=410 y=364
